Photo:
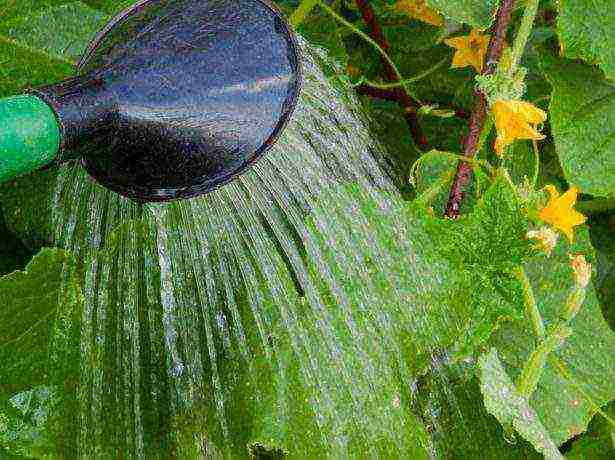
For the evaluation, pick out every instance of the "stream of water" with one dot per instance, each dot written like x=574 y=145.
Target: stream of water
x=288 y=308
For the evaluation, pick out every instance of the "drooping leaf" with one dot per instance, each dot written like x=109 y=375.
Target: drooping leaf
x=511 y=409
x=586 y=31
x=582 y=115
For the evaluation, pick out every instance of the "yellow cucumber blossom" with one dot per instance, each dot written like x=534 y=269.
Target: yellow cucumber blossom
x=582 y=270
x=559 y=211
x=516 y=120
x=417 y=9
x=470 y=50
x=547 y=238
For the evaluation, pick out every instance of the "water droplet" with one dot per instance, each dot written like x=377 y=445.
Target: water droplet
x=177 y=369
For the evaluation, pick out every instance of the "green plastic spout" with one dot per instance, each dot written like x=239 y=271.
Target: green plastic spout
x=29 y=135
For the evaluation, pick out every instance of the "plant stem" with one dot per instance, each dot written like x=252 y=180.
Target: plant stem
x=536 y=165
x=366 y=89
x=535 y=365
x=378 y=45
x=479 y=113
x=574 y=302
x=405 y=81
x=393 y=75
x=529 y=303
x=527 y=22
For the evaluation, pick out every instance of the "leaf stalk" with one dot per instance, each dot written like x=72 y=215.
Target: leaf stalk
x=529 y=302
x=527 y=23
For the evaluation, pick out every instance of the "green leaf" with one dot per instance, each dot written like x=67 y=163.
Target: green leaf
x=40 y=46
x=35 y=305
x=291 y=390
x=320 y=28
x=21 y=68
x=483 y=247
x=25 y=422
x=450 y=402
x=477 y=13
x=586 y=32
x=60 y=32
x=432 y=177
x=520 y=162
x=582 y=114
x=491 y=237
x=304 y=8
x=109 y=6
x=503 y=401
x=26 y=212
x=11 y=9
x=565 y=406
x=40 y=309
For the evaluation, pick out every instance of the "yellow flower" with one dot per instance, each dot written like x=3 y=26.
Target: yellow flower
x=559 y=211
x=516 y=120
x=418 y=10
x=471 y=50
x=582 y=270
x=547 y=238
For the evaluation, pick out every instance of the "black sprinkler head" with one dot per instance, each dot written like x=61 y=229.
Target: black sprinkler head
x=174 y=98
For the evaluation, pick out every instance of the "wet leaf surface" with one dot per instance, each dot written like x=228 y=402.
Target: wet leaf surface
x=306 y=309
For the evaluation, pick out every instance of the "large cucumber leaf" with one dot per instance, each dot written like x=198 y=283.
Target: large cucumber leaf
x=586 y=32
x=582 y=115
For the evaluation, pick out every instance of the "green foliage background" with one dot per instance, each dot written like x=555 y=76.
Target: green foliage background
x=40 y=40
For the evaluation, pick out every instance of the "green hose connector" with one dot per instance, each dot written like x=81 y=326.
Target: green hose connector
x=29 y=135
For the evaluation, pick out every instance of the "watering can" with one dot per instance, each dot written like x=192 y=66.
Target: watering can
x=172 y=99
